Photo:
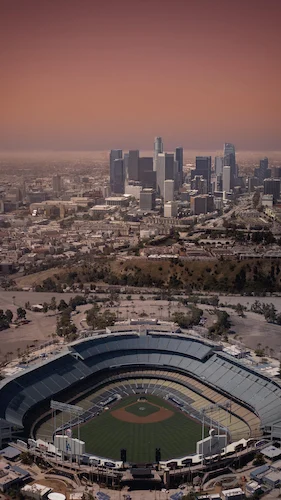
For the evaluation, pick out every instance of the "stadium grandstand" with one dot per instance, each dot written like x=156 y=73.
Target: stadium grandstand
x=190 y=372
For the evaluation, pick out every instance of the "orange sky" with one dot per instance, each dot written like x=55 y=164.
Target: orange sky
x=89 y=74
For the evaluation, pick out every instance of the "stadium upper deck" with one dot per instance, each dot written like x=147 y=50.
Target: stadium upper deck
x=199 y=359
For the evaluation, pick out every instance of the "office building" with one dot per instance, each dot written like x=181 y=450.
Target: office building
x=274 y=172
x=219 y=161
x=179 y=159
x=133 y=165
x=165 y=170
x=133 y=188
x=169 y=188
x=230 y=160
x=272 y=186
x=147 y=176
x=118 y=177
x=203 y=167
x=199 y=184
x=201 y=204
x=263 y=170
x=226 y=178
x=158 y=148
x=147 y=199
x=57 y=184
x=115 y=154
x=171 y=209
x=126 y=165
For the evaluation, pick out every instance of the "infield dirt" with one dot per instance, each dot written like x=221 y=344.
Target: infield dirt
x=159 y=416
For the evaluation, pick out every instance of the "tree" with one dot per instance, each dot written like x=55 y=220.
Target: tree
x=9 y=315
x=4 y=323
x=259 y=459
x=270 y=313
x=53 y=304
x=21 y=313
x=98 y=320
x=26 y=458
x=62 y=305
x=256 y=199
x=78 y=300
x=240 y=310
x=45 y=307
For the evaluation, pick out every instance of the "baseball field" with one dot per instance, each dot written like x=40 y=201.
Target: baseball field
x=140 y=426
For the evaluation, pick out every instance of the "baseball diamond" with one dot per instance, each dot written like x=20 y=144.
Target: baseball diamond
x=124 y=426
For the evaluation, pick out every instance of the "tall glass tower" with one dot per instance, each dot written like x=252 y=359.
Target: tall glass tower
x=230 y=161
x=158 y=148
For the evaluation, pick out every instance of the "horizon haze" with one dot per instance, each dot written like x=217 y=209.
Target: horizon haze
x=91 y=75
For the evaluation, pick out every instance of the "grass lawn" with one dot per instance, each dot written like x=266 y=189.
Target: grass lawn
x=105 y=435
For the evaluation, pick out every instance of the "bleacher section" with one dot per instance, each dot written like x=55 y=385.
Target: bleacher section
x=200 y=367
x=168 y=387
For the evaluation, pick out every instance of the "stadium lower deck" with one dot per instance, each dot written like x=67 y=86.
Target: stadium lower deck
x=150 y=360
x=190 y=395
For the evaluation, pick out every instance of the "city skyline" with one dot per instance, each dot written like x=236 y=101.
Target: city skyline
x=82 y=75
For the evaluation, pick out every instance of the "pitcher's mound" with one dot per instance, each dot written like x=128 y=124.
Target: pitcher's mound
x=142 y=413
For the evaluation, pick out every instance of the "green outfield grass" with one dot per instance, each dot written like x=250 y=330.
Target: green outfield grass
x=105 y=435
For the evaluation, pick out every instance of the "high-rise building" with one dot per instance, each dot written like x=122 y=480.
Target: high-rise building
x=272 y=186
x=133 y=165
x=158 y=148
x=115 y=154
x=201 y=204
x=200 y=184
x=203 y=167
x=179 y=159
x=118 y=179
x=263 y=170
x=219 y=161
x=226 y=178
x=165 y=170
x=169 y=189
x=147 y=175
x=170 y=209
x=147 y=199
x=230 y=160
x=57 y=184
x=126 y=165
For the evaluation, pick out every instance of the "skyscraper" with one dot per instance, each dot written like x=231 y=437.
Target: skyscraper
x=118 y=180
x=272 y=186
x=169 y=188
x=115 y=154
x=158 y=148
x=165 y=170
x=226 y=178
x=230 y=160
x=147 y=175
x=219 y=165
x=57 y=184
x=203 y=167
x=147 y=199
x=133 y=165
x=263 y=169
x=179 y=159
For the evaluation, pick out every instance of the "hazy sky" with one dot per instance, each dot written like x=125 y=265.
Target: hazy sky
x=96 y=74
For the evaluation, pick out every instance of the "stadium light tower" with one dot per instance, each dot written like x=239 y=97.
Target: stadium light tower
x=215 y=407
x=73 y=410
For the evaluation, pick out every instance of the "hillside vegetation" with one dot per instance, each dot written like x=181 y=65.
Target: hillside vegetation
x=230 y=276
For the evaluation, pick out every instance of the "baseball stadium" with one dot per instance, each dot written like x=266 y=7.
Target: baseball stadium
x=142 y=394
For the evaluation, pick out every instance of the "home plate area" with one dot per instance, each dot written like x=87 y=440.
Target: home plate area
x=142 y=412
